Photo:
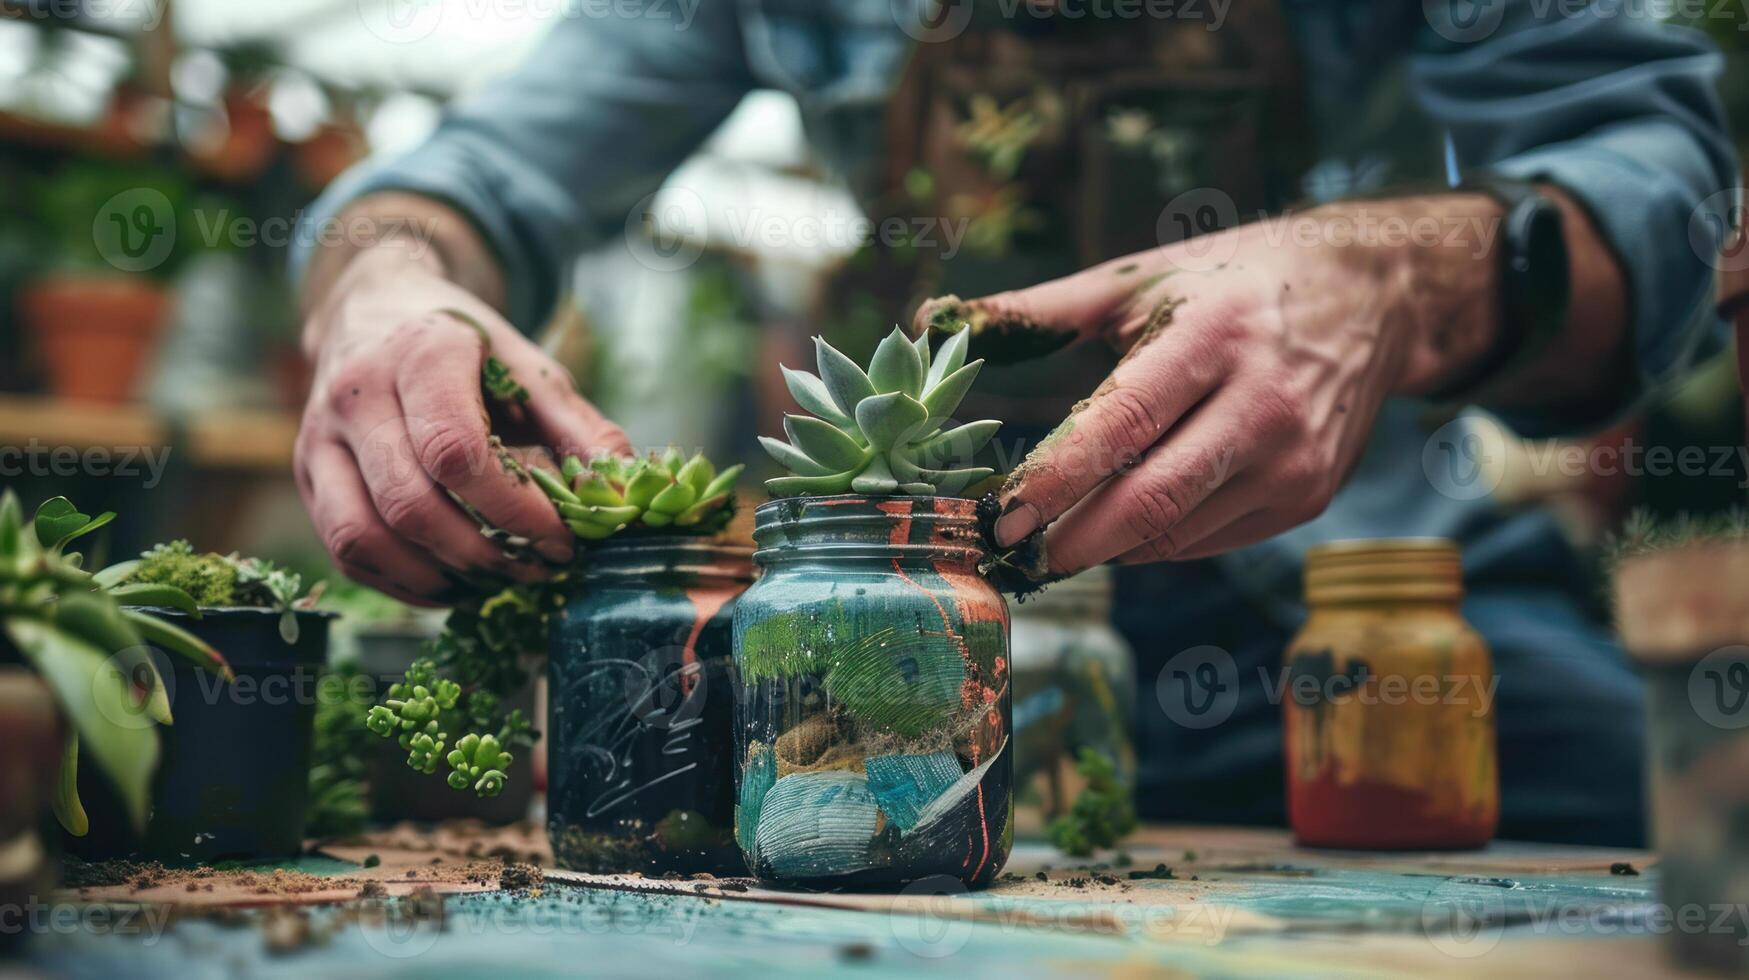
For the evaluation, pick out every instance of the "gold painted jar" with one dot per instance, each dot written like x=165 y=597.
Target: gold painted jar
x=1388 y=703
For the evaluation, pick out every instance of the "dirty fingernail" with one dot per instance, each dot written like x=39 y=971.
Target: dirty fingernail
x=1016 y=524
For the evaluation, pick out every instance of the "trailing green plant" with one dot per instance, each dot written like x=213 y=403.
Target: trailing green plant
x=421 y=712
x=880 y=431
x=665 y=490
x=76 y=630
x=1102 y=813
x=216 y=581
x=339 y=788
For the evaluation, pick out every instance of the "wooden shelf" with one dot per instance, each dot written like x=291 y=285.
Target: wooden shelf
x=242 y=439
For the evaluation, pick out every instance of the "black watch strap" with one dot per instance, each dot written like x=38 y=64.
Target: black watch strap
x=1534 y=284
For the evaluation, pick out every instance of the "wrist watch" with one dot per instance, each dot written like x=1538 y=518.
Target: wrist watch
x=1535 y=284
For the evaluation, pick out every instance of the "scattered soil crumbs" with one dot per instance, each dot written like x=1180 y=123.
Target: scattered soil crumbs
x=1623 y=868
x=519 y=876
x=1160 y=873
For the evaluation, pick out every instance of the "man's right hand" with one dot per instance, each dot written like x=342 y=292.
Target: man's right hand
x=397 y=421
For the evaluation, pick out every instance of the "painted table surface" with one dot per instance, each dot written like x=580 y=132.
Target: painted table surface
x=1239 y=903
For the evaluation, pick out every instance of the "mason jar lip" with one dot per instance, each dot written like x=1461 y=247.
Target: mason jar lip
x=1407 y=569
x=966 y=504
x=696 y=554
x=775 y=519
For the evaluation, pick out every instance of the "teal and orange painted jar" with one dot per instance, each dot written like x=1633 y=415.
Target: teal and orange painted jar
x=873 y=717
x=641 y=707
x=1388 y=708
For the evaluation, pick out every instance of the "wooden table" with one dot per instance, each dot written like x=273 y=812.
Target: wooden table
x=1236 y=903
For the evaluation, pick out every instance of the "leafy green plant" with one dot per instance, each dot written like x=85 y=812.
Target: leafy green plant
x=1102 y=813
x=76 y=631
x=880 y=431
x=216 y=581
x=664 y=490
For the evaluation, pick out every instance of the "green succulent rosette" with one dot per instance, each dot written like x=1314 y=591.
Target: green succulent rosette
x=880 y=431
x=612 y=493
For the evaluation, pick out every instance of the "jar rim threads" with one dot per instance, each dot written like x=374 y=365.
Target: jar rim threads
x=1384 y=570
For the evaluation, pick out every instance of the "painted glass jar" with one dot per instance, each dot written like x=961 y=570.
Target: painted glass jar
x=1683 y=617
x=1388 y=714
x=872 y=726
x=1074 y=684
x=640 y=710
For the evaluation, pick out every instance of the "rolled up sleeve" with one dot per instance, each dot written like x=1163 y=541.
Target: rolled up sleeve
x=1620 y=111
x=554 y=157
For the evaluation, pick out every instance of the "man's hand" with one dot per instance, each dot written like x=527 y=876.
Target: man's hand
x=396 y=422
x=1256 y=361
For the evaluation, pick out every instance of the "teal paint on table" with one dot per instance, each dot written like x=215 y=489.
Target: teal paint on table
x=604 y=931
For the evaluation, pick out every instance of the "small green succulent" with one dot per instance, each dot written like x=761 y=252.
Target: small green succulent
x=880 y=431
x=424 y=707
x=612 y=493
x=478 y=761
x=411 y=712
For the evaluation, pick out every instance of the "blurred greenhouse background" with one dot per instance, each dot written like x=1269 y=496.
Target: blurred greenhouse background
x=239 y=114
x=184 y=346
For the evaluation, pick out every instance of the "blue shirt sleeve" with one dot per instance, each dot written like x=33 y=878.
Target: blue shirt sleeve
x=554 y=157
x=1619 y=110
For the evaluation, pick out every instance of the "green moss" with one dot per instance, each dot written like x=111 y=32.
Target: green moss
x=208 y=578
x=1102 y=813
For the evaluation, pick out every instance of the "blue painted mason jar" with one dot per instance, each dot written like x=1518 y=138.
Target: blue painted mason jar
x=872 y=718
x=640 y=710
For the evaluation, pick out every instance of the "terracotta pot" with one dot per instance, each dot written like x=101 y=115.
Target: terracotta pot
x=327 y=154
x=247 y=144
x=30 y=728
x=96 y=332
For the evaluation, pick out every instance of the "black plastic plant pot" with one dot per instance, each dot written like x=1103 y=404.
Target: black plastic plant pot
x=233 y=773
x=640 y=711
